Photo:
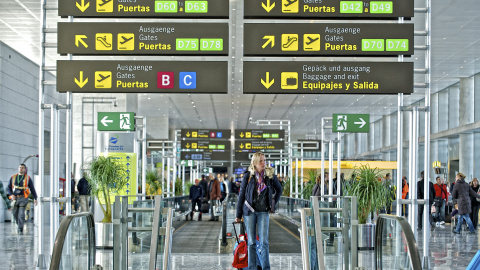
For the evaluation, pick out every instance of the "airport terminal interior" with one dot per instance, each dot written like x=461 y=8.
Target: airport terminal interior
x=352 y=103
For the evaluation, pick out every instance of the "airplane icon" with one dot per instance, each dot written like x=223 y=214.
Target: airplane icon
x=290 y=3
x=311 y=40
x=102 y=77
x=125 y=40
x=104 y=2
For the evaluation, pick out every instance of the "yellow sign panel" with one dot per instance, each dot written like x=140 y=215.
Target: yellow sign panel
x=248 y=146
x=289 y=42
x=289 y=80
x=290 y=6
x=311 y=42
x=129 y=162
x=126 y=41
x=194 y=134
x=248 y=135
x=194 y=145
x=104 y=5
x=103 y=79
x=103 y=42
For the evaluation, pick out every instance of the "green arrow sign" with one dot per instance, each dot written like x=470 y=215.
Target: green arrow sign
x=116 y=121
x=351 y=123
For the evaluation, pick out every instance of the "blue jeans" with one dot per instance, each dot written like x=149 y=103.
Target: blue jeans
x=469 y=222
x=260 y=221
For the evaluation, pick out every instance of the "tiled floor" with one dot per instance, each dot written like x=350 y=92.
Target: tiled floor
x=447 y=251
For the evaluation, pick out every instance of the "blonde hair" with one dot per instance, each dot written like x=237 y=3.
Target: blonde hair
x=474 y=180
x=461 y=175
x=255 y=158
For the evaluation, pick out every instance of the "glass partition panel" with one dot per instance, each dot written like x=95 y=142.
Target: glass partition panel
x=288 y=207
x=395 y=246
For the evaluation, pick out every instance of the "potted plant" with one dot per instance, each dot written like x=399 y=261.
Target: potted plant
x=105 y=176
x=154 y=185
x=309 y=183
x=372 y=194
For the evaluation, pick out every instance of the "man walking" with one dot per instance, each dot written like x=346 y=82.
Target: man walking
x=420 y=196
x=19 y=187
x=215 y=195
x=204 y=184
x=196 y=192
x=441 y=197
x=84 y=193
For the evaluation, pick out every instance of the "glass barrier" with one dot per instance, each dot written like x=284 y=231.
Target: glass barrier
x=228 y=215
x=289 y=208
x=181 y=204
x=395 y=246
x=75 y=243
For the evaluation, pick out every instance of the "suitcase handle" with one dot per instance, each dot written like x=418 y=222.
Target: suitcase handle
x=244 y=228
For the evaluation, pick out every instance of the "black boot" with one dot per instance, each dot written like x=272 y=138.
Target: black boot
x=191 y=215
x=200 y=216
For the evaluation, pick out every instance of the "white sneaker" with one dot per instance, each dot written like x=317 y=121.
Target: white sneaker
x=442 y=222
x=438 y=223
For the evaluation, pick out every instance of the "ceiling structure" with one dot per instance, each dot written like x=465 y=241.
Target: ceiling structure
x=455 y=54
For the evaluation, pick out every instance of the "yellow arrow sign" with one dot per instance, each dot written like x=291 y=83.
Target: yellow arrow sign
x=241 y=145
x=188 y=145
x=81 y=83
x=268 y=7
x=82 y=6
x=79 y=39
x=241 y=135
x=188 y=134
x=270 y=39
x=267 y=83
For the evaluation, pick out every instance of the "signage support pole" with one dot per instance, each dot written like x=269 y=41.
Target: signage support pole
x=339 y=160
x=400 y=154
x=322 y=154
x=330 y=169
x=296 y=177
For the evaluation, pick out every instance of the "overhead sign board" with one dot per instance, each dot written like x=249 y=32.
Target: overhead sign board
x=250 y=134
x=116 y=121
x=206 y=133
x=144 y=8
x=136 y=38
x=359 y=123
x=206 y=145
x=205 y=155
x=328 y=39
x=281 y=77
x=317 y=9
x=179 y=77
x=259 y=145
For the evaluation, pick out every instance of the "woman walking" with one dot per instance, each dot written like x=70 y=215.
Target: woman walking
x=461 y=193
x=475 y=203
x=255 y=201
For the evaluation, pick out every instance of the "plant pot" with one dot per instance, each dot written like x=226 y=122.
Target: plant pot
x=104 y=235
x=366 y=236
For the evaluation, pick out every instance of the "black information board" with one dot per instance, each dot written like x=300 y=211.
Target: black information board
x=318 y=9
x=259 y=145
x=224 y=134
x=144 y=8
x=143 y=38
x=179 y=77
x=260 y=77
x=205 y=155
x=206 y=145
x=256 y=134
x=328 y=39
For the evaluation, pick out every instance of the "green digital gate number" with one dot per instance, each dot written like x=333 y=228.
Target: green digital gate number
x=381 y=7
x=397 y=45
x=351 y=6
x=166 y=6
x=196 y=6
x=205 y=44
x=379 y=45
x=373 y=45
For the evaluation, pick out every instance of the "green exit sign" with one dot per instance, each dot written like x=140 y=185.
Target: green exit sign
x=116 y=121
x=359 y=123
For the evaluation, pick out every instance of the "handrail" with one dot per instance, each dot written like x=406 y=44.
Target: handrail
x=413 y=253
x=61 y=236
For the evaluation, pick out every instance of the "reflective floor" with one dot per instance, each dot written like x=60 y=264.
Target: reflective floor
x=447 y=251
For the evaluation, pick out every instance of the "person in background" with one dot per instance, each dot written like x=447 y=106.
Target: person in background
x=83 y=188
x=223 y=188
x=254 y=203
x=405 y=190
x=19 y=187
x=475 y=203
x=461 y=193
x=204 y=184
x=316 y=190
x=232 y=188
x=442 y=197
x=214 y=194
x=420 y=196
x=195 y=196
x=4 y=196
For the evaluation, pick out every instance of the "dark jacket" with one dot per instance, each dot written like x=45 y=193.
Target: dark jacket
x=195 y=192
x=473 y=199
x=248 y=187
x=83 y=187
x=204 y=184
x=21 y=184
x=461 y=193
x=420 y=190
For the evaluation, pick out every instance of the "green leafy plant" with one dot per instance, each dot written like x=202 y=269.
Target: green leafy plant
x=105 y=176
x=308 y=185
x=286 y=187
x=188 y=185
x=178 y=187
x=154 y=185
x=370 y=192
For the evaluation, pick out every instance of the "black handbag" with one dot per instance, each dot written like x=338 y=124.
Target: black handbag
x=437 y=201
x=205 y=207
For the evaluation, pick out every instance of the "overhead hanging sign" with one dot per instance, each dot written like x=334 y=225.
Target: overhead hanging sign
x=143 y=38
x=328 y=39
x=145 y=8
x=206 y=133
x=281 y=77
x=250 y=134
x=116 y=121
x=358 y=123
x=206 y=145
x=259 y=145
x=179 y=77
x=317 y=9
x=205 y=155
